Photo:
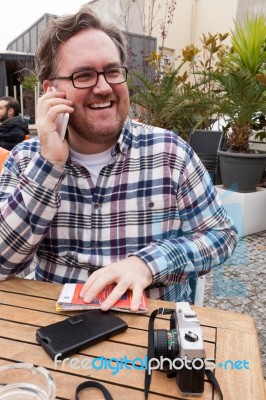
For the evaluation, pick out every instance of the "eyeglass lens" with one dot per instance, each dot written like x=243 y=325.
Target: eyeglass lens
x=85 y=79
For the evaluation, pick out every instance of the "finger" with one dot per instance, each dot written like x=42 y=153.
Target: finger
x=54 y=93
x=96 y=283
x=137 y=294
x=51 y=108
x=88 y=284
x=114 y=296
x=60 y=108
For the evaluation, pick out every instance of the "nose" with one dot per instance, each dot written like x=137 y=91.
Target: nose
x=102 y=87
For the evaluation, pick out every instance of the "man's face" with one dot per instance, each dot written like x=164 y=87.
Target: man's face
x=101 y=110
x=3 y=110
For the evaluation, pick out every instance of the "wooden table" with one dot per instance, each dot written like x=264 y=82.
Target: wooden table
x=26 y=305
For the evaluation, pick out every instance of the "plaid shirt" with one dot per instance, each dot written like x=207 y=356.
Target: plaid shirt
x=155 y=200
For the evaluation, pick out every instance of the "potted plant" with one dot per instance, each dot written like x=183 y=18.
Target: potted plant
x=221 y=81
x=164 y=100
x=167 y=98
x=239 y=95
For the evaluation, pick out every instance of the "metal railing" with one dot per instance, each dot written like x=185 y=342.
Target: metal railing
x=20 y=97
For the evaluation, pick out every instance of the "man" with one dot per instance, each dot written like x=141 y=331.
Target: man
x=12 y=127
x=115 y=201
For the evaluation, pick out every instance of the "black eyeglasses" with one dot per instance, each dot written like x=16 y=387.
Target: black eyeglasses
x=88 y=78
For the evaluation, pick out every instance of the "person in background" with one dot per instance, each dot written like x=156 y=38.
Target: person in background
x=116 y=201
x=13 y=128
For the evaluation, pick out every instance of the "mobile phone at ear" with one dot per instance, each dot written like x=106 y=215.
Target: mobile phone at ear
x=73 y=334
x=61 y=122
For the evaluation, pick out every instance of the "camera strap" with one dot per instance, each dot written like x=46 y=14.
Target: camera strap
x=94 y=384
x=213 y=380
x=166 y=311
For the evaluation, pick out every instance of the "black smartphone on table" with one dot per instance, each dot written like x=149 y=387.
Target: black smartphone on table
x=67 y=337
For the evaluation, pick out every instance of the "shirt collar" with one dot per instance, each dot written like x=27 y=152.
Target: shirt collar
x=124 y=139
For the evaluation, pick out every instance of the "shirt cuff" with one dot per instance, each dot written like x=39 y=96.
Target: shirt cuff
x=44 y=173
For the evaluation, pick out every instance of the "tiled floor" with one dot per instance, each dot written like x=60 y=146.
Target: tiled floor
x=240 y=284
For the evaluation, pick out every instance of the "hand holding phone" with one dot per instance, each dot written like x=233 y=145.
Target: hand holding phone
x=61 y=122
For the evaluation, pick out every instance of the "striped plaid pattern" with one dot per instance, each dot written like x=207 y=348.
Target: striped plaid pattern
x=155 y=201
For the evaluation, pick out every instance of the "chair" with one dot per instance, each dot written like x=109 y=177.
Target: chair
x=206 y=143
x=5 y=153
x=197 y=287
x=3 y=156
x=29 y=272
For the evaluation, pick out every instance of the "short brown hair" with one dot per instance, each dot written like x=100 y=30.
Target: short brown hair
x=62 y=28
x=12 y=103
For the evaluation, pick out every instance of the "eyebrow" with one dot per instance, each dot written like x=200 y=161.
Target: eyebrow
x=90 y=68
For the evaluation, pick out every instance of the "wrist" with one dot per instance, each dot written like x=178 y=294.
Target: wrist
x=145 y=271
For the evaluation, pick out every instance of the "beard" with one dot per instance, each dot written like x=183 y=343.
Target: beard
x=98 y=131
x=4 y=117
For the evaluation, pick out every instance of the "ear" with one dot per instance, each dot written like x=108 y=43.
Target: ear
x=46 y=85
x=10 y=112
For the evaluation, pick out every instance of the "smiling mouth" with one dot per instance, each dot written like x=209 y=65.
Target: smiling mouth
x=97 y=106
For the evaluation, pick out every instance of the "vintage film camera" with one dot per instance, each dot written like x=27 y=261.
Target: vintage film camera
x=183 y=345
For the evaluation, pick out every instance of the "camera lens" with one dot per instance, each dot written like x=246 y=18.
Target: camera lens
x=166 y=343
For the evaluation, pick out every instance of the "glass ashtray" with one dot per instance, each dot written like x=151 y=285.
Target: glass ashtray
x=24 y=381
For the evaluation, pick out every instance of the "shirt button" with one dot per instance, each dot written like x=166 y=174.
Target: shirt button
x=151 y=204
x=96 y=206
x=95 y=245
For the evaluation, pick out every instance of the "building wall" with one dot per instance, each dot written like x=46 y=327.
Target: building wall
x=27 y=41
x=191 y=18
x=123 y=13
x=213 y=16
x=250 y=6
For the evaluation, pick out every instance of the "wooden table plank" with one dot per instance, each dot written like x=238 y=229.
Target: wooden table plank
x=240 y=380
x=32 y=288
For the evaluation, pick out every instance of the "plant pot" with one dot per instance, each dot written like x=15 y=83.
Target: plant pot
x=241 y=172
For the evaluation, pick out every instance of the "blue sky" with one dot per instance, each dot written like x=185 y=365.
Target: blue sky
x=18 y=15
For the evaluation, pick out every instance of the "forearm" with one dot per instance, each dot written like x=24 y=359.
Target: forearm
x=173 y=260
x=28 y=203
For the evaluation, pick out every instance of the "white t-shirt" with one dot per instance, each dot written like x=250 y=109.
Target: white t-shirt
x=92 y=162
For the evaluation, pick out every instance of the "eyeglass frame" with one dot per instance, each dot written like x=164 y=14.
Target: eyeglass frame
x=71 y=77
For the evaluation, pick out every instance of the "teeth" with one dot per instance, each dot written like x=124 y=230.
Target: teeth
x=100 y=105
